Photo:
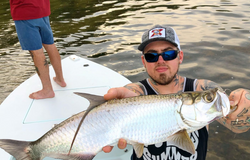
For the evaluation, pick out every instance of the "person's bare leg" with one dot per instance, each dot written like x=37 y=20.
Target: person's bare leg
x=42 y=69
x=55 y=60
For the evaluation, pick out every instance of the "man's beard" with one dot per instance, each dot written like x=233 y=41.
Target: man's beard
x=164 y=79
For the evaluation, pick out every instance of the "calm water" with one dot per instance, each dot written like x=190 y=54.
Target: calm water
x=214 y=36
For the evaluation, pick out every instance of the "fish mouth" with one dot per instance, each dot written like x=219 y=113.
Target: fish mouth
x=223 y=103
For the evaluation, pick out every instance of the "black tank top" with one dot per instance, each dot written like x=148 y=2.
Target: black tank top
x=167 y=151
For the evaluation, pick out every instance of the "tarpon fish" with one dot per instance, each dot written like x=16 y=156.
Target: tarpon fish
x=142 y=120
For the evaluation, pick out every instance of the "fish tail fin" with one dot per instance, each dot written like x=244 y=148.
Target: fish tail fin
x=18 y=149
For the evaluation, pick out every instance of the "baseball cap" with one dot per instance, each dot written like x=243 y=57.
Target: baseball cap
x=159 y=33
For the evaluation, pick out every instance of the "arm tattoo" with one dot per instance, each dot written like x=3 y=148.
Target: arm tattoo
x=242 y=122
x=206 y=85
x=244 y=111
x=138 y=88
x=237 y=125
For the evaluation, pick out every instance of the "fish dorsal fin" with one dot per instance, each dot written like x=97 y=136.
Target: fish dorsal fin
x=182 y=140
x=94 y=101
x=138 y=147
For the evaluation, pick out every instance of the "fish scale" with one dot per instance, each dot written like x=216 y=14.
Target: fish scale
x=141 y=127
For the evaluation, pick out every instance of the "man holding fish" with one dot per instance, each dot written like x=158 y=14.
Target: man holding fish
x=161 y=56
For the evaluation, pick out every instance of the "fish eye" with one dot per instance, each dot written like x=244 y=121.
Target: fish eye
x=208 y=97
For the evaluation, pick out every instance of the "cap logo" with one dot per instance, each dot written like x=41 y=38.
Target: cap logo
x=157 y=32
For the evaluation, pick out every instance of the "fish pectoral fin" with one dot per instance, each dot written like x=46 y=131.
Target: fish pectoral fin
x=138 y=147
x=182 y=140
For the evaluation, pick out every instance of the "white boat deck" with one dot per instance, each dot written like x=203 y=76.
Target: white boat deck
x=22 y=118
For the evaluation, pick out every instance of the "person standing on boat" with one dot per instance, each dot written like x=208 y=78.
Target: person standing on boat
x=161 y=56
x=32 y=23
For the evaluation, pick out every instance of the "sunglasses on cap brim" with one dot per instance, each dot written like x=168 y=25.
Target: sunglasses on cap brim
x=167 y=56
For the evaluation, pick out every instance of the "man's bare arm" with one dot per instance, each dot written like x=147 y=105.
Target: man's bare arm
x=137 y=88
x=239 y=120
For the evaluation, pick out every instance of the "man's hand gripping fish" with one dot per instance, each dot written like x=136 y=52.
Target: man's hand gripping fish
x=141 y=120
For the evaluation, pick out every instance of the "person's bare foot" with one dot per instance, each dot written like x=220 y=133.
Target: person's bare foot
x=60 y=83
x=42 y=95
